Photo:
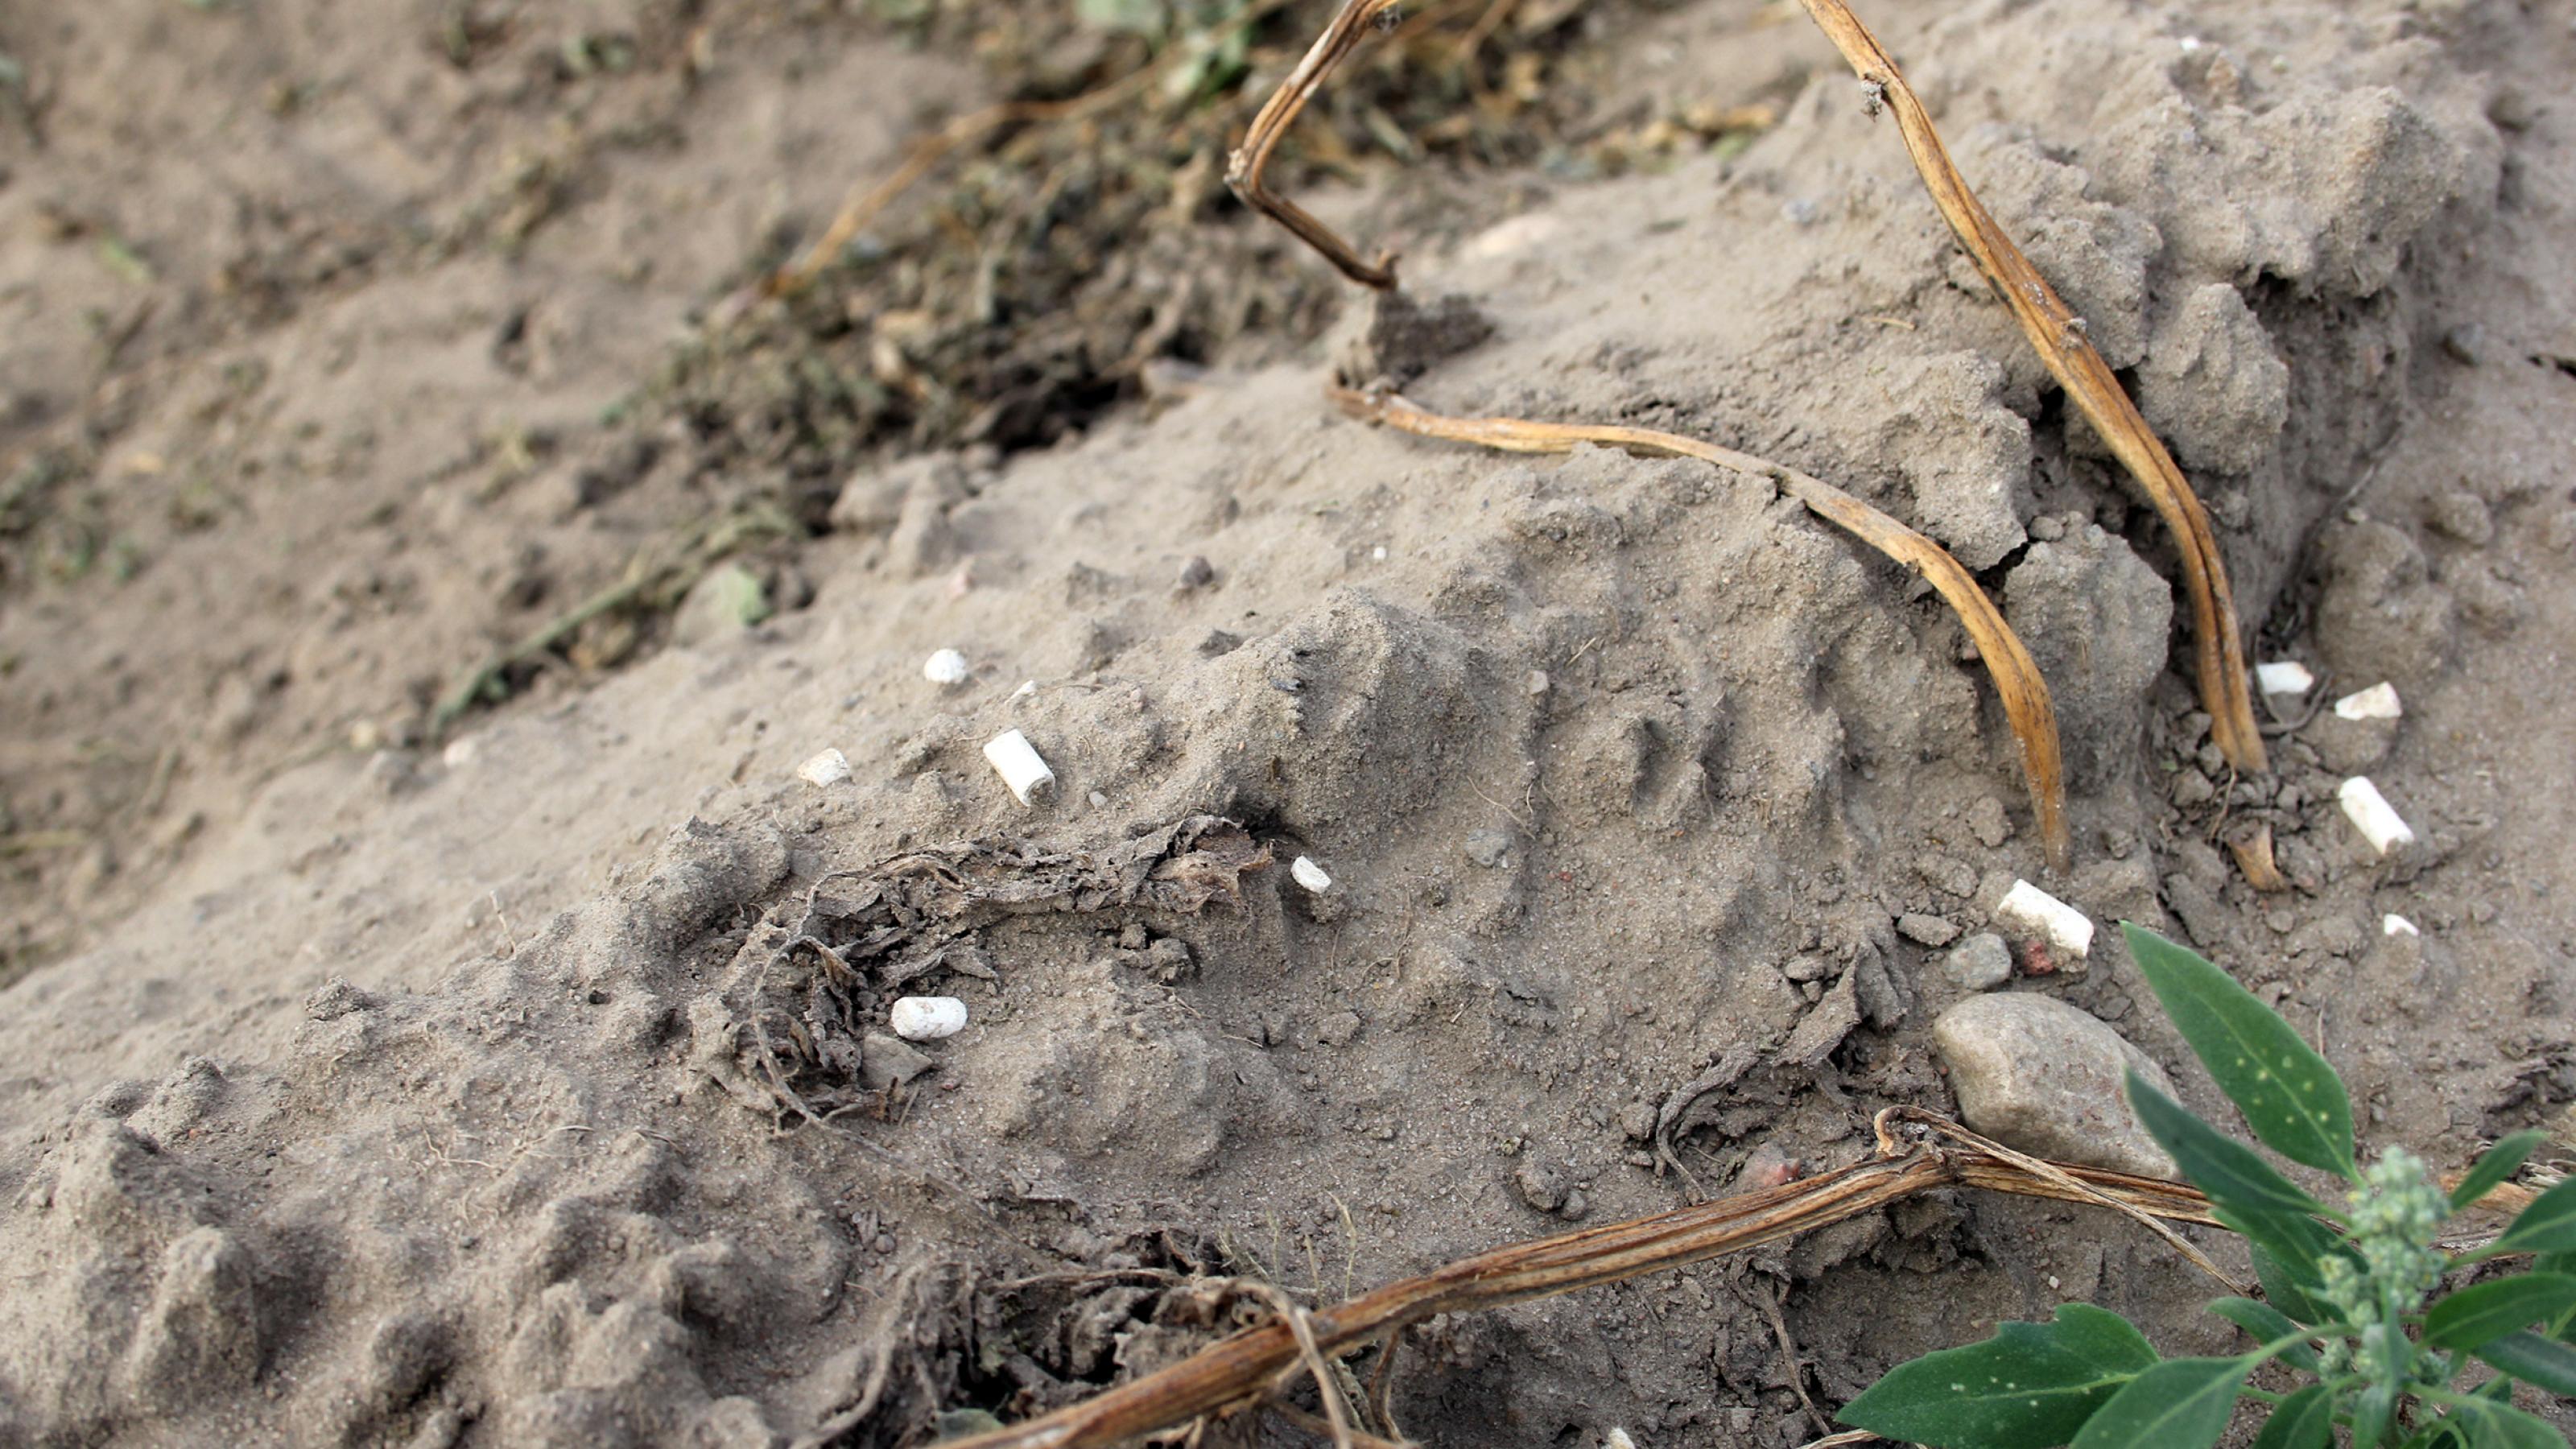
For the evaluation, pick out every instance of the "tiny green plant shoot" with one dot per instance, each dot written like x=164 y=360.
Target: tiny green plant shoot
x=2356 y=1307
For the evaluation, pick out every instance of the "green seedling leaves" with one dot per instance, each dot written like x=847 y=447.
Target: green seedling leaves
x=2291 y=1098
x=2533 y=1359
x=2288 y=1278
x=2493 y=1166
x=2266 y=1323
x=2031 y=1385
x=2547 y=1226
x=2304 y=1420
x=2182 y=1403
x=2494 y=1425
x=2234 y=1175
x=2479 y=1315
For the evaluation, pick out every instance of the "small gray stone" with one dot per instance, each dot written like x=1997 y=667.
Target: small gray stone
x=1541 y=1186
x=1926 y=930
x=1981 y=963
x=2462 y=515
x=886 y=1060
x=1198 y=573
x=2035 y=1073
x=2349 y=746
x=1574 y=1206
x=1491 y=849
x=2466 y=343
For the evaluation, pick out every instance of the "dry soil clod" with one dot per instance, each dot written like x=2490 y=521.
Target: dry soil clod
x=2016 y=677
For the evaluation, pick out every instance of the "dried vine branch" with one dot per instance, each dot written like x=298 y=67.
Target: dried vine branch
x=2058 y=336
x=2053 y=329
x=2016 y=677
x=1241 y=1369
x=1244 y=169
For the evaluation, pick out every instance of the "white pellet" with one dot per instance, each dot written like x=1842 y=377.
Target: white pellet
x=2371 y=814
x=2033 y=910
x=2286 y=676
x=2377 y=702
x=1027 y=687
x=1310 y=875
x=927 y=1018
x=1020 y=767
x=828 y=768
x=2396 y=925
x=945 y=667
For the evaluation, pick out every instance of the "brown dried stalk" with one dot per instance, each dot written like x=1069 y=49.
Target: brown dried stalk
x=2058 y=336
x=1243 y=170
x=1241 y=1369
x=2017 y=679
x=2053 y=329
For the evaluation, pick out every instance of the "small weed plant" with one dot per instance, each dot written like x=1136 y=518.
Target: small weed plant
x=2356 y=1302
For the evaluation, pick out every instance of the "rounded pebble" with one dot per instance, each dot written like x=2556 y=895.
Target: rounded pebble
x=927 y=1018
x=2035 y=1073
x=945 y=668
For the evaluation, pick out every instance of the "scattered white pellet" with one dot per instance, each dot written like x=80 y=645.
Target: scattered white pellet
x=1020 y=766
x=2285 y=676
x=1617 y=1439
x=1378 y=553
x=2396 y=925
x=945 y=667
x=2031 y=909
x=1027 y=688
x=2372 y=815
x=927 y=1018
x=828 y=768
x=2377 y=702
x=1310 y=875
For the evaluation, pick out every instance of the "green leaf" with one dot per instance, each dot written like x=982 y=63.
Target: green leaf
x=2266 y=1323
x=2288 y=1278
x=2493 y=1166
x=2304 y=1420
x=2495 y=1425
x=2373 y=1410
x=2234 y=1175
x=2547 y=1226
x=2544 y=1362
x=2290 y=1096
x=2485 y=1312
x=2029 y=1386
x=2182 y=1403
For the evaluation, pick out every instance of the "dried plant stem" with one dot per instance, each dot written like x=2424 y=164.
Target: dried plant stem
x=2017 y=679
x=1243 y=1368
x=2058 y=336
x=1244 y=169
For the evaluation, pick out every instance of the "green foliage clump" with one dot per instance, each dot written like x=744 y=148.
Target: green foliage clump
x=2354 y=1293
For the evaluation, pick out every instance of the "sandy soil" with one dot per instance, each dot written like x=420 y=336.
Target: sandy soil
x=363 y=1086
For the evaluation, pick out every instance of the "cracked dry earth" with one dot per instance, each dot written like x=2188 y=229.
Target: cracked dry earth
x=450 y=1094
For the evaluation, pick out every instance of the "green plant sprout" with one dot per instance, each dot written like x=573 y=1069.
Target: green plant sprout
x=2352 y=1291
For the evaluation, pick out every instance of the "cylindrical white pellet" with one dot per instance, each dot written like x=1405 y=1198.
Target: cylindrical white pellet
x=2287 y=676
x=1022 y=770
x=1310 y=875
x=2377 y=702
x=2028 y=908
x=828 y=768
x=945 y=667
x=927 y=1018
x=2371 y=814
x=2396 y=925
